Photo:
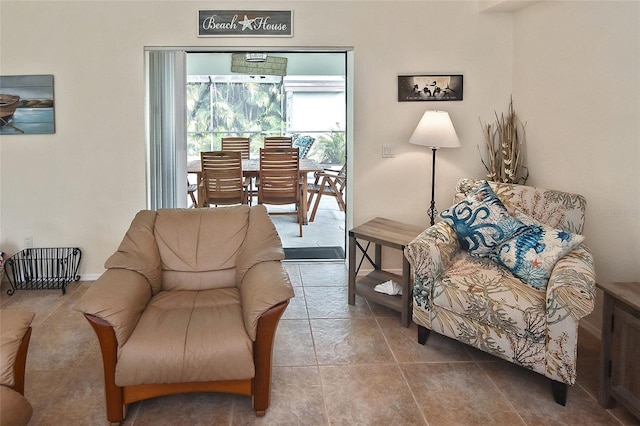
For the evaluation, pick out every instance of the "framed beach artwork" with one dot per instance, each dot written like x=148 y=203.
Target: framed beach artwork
x=430 y=87
x=26 y=105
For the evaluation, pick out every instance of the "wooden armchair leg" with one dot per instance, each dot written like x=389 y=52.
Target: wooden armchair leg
x=423 y=334
x=559 y=390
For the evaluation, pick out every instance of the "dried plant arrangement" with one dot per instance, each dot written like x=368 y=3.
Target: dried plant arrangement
x=504 y=141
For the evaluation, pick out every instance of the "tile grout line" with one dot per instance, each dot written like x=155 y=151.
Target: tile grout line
x=315 y=351
x=397 y=364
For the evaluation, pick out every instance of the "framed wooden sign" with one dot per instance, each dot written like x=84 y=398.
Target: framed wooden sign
x=245 y=23
x=433 y=87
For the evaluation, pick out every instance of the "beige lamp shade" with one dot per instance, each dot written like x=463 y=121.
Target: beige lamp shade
x=435 y=130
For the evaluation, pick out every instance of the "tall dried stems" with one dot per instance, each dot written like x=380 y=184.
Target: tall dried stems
x=505 y=140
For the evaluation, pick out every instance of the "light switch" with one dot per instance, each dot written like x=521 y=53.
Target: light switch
x=388 y=151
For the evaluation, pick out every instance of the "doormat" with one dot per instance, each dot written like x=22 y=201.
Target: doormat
x=333 y=252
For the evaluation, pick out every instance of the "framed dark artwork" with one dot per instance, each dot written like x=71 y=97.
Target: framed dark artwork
x=26 y=104
x=430 y=87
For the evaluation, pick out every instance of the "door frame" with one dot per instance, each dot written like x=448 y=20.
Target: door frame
x=349 y=87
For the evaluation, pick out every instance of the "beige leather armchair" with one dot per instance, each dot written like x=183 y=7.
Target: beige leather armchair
x=15 y=332
x=190 y=302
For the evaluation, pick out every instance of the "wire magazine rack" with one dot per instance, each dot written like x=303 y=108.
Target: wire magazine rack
x=43 y=268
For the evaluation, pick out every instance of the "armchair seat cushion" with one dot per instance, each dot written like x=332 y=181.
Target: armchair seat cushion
x=216 y=346
x=479 y=289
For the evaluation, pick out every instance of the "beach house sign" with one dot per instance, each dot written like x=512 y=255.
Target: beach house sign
x=245 y=23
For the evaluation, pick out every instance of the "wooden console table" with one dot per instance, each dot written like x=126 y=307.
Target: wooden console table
x=620 y=370
x=388 y=233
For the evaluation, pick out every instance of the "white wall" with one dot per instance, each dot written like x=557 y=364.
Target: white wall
x=577 y=84
x=82 y=186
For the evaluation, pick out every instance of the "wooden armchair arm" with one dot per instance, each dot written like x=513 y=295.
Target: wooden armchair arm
x=262 y=353
x=21 y=363
x=15 y=331
x=109 y=348
x=328 y=173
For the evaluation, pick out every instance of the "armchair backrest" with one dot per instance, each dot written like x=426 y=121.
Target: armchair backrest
x=558 y=209
x=197 y=249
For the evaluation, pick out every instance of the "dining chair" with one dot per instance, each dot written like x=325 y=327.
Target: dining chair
x=239 y=144
x=329 y=182
x=192 y=188
x=222 y=179
x=242 y=145
x=280 y=180
x=278 y=142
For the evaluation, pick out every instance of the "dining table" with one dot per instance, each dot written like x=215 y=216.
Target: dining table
x=251 y=169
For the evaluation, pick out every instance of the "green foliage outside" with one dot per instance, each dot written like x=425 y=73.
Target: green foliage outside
x=330 y=149
x=216 y=110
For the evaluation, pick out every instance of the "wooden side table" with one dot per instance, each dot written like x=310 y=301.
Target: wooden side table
x=387 y=233
x=620 y=370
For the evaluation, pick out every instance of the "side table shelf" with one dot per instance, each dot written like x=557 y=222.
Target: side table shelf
x=387 y=233
x=365 y=288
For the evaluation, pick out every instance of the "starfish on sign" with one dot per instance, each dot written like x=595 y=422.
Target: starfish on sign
x=246 y=23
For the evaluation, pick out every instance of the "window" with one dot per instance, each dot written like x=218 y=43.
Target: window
x=258 y=106
x=219 y=106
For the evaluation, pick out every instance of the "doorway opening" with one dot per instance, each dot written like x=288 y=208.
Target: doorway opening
x=308 y=102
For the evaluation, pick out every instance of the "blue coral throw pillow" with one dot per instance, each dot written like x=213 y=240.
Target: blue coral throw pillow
x=532 y=255
x=482 y=221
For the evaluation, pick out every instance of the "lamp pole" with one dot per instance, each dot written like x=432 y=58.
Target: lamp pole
x=432 y=208
x=434 y=130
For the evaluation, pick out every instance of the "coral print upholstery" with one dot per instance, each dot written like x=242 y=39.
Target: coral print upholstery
x=471 y=283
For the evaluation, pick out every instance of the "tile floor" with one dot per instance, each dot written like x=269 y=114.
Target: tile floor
x=334 y=364
x=328 y=228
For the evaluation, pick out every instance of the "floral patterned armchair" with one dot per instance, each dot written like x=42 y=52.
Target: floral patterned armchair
x=489 y=303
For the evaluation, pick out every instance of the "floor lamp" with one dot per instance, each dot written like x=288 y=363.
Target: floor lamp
x=436 y=131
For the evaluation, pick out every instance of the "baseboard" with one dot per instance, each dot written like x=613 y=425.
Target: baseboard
x=89 y=277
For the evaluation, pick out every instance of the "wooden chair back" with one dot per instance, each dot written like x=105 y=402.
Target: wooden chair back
x=238 y=144
x=222 y=179
x=280 y=179
x=278 y=142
